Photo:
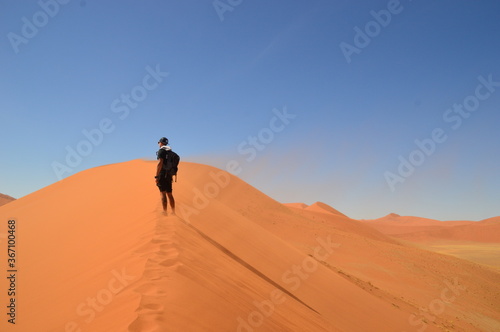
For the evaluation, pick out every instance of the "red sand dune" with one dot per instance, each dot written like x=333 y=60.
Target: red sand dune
x=490 y=221
x=4 y=199
x=96 y=254
x=421 y=229
x=322 y=207
x=394 y=224
x=475 y=232
x=316 y=207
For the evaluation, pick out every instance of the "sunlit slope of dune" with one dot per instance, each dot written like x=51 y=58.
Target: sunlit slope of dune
x=76 y=243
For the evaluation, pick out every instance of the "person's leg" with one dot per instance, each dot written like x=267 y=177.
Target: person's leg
x=164 y=200
x=172 y=201
x=164 y=186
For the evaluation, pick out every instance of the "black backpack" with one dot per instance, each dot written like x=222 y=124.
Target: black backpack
x=171 y=162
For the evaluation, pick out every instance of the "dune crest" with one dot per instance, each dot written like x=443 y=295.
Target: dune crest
x=296 y=205
x=423 y=229
x=4 y=199
x=322 y=207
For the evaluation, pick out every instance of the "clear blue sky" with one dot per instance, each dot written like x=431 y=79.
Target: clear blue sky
x=351 y=103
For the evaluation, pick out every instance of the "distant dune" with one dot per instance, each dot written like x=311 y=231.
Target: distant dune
x=97 y=254
x=322 y=207
x=317 y=207
x=491 y=221
x=475 y=241
x=475 y=232
x=421 y=229
x=4 y=199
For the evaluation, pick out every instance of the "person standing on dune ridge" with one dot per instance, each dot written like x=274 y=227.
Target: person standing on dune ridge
x=165 y=172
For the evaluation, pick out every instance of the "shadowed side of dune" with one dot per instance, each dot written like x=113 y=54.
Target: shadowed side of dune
x=4 y=199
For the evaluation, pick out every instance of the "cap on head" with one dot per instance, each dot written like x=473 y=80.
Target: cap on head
x=163 y=140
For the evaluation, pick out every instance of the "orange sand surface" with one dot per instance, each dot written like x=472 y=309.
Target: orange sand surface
x=94 y=252
x=475 y=241
x=421 y=229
